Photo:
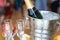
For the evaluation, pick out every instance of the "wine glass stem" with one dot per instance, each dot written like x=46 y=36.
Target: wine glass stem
x=11 y=37
x=6 y=38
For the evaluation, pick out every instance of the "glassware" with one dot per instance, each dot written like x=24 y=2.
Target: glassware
x=8 y=30
x=27 y=26
x=23 y=29
x=20 y=31
x=56 y=34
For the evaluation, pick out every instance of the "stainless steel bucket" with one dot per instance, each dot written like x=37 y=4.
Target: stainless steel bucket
x=40 y=28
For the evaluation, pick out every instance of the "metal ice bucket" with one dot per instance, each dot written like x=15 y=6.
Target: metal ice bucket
x=40 y=28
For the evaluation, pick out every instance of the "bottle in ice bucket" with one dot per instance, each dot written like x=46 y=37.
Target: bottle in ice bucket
x=32 y=10
x=8 y=30
x=56 y=35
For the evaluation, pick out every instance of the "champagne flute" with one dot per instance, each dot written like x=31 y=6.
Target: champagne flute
x=20 y=31
x=8 y=30
x=56 y=32
x=27 y=29
x=57 y=26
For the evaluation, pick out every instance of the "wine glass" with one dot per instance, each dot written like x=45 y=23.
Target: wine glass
x=20 y=31
x=56 y=31
x=28 y=28
x=57 y=26
x=8 y=30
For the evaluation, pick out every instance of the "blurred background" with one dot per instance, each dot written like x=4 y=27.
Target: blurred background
x=16 y=9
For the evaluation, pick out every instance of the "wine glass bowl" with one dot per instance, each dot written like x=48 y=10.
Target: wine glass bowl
x=19 y=27
x=8 y=30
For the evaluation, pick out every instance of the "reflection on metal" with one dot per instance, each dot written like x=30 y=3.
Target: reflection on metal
x=48 y=15
x=42 y=28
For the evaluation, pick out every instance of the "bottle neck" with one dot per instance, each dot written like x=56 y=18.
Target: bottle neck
x=29 y=4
